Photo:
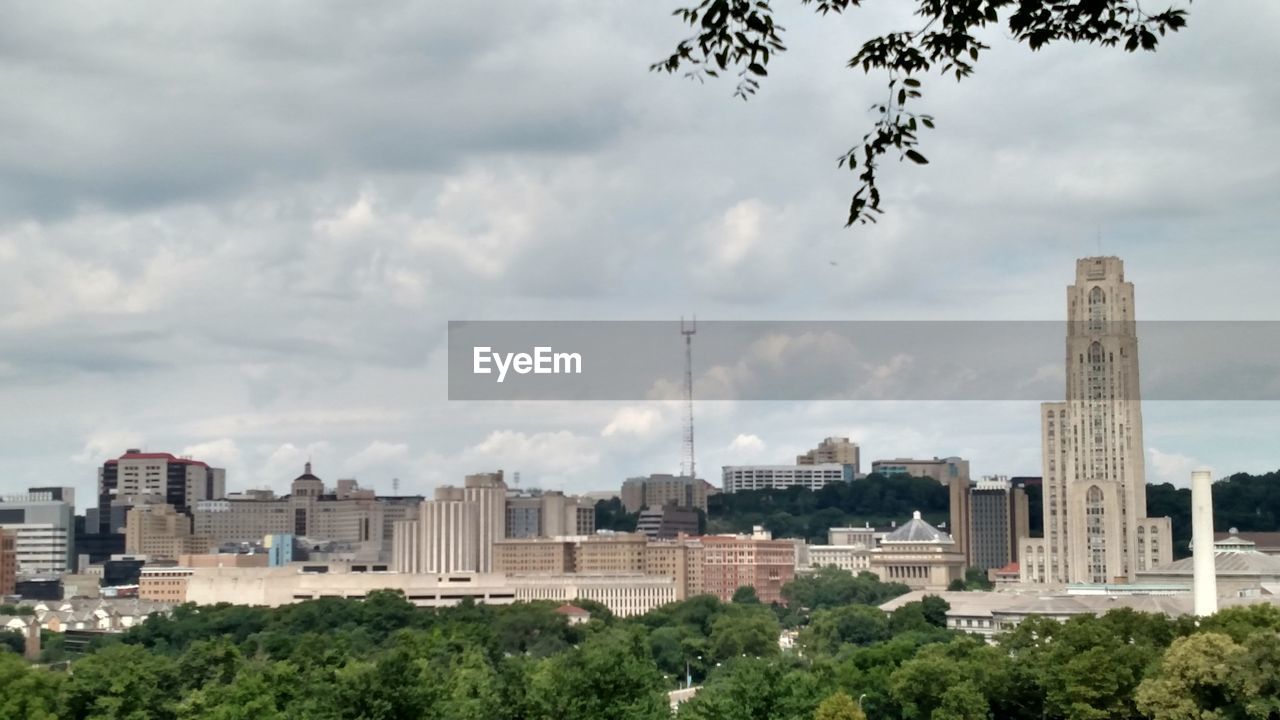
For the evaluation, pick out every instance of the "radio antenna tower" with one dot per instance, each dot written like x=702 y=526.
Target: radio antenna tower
x=687 y=468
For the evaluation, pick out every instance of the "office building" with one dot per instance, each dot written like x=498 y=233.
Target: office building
x=998 y=516
x=8 y=562
x=667 y=522
x=44 y=532
x=1096 y=528
x=161 y=533
x=756 y=560
x=832 y=451
x=138 y=478
x=865 y=537
x=738 y=478
x=449 y=533
x=919 y=556
x=680 y=559
x=660 y=489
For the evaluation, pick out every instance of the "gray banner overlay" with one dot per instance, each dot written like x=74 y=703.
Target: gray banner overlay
x=855 y=360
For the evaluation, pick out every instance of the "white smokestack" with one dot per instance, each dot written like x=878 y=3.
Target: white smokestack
x=1205 y=583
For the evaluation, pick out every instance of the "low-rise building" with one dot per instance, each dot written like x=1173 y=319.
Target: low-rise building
x=919 y=556
x=739 y=478
x=161 y=533
x=756 y=560
x=623 y=594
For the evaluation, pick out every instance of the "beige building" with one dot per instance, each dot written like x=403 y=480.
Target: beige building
x=680 y=559
x=164 y=584
x=1241 y=570
x=624 y=595
x=850 y=558
x=953 y=472
x=488 y=493
x=549 y=514
x=832 y=451
x=138 y=477
x=161 y=533
x=919 y=556
x=660 y=489
x=348 y=514
x=1095 y=502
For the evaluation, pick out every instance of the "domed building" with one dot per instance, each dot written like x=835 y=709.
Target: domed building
x=918 y=555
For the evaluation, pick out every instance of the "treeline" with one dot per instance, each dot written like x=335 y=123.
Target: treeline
x=383 y=659
x=1249 y=503
x=803 y=513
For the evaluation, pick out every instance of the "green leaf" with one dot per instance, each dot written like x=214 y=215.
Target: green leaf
x=917 y=158
x=757 y=68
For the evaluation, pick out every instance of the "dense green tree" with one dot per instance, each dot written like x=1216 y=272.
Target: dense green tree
x=609 y=676
x=926 y=683
x=830 y=629
x=1195 y=681
x=744 y=630
x=13 y=641
x=746 y=595
x=122 y=682
x=839 y=707
x=832 y=587
x=26 y=693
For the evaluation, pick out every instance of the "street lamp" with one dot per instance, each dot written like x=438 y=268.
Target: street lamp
x=688 y=677
x=860 y=701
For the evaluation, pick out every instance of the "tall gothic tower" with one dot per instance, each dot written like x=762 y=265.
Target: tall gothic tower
x=1095 y=502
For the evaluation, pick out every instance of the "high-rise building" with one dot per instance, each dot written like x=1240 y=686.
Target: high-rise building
x=832 y=451
x=44 y=530
x=8 y=562
x=998 y=516
x=667 y=522
x=1096 y=528
x=489 y=493
x=661 y=489
x=449 y=533
x=138 y=478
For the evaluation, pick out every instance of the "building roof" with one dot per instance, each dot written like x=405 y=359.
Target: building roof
x=1261 y=539
x=917 y=531
x=572 y=610
x=167 y=457
x=1225 y=563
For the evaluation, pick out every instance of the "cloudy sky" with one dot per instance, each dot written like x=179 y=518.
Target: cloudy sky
x=237 y=231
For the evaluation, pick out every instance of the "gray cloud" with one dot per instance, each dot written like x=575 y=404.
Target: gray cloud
x=242 y=229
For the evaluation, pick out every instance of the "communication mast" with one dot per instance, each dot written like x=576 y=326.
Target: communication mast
x=687 y=468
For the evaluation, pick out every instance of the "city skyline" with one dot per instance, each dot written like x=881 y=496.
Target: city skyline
x=199 y=280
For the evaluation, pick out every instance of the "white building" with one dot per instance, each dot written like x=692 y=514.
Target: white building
x=44 y=530
x=737 y=478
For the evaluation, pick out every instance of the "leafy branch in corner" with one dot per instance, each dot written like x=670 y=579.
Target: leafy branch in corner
x=741 y=36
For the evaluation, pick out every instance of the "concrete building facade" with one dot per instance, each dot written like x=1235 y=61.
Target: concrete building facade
x=161 y=533
x=1096 y=528
x=661 y=489
x=737 y=478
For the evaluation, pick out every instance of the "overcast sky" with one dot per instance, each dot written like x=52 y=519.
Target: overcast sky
x=237 y=230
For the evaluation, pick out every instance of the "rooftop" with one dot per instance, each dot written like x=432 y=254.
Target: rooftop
x=917 y=531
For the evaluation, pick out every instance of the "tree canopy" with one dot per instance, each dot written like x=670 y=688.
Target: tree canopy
x=743 y=37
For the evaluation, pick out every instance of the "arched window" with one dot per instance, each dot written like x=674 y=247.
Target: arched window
x=1096 y=296
x=1097 y=309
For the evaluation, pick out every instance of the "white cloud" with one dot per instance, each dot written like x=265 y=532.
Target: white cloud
x=632 y=421
x=1172 y=468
